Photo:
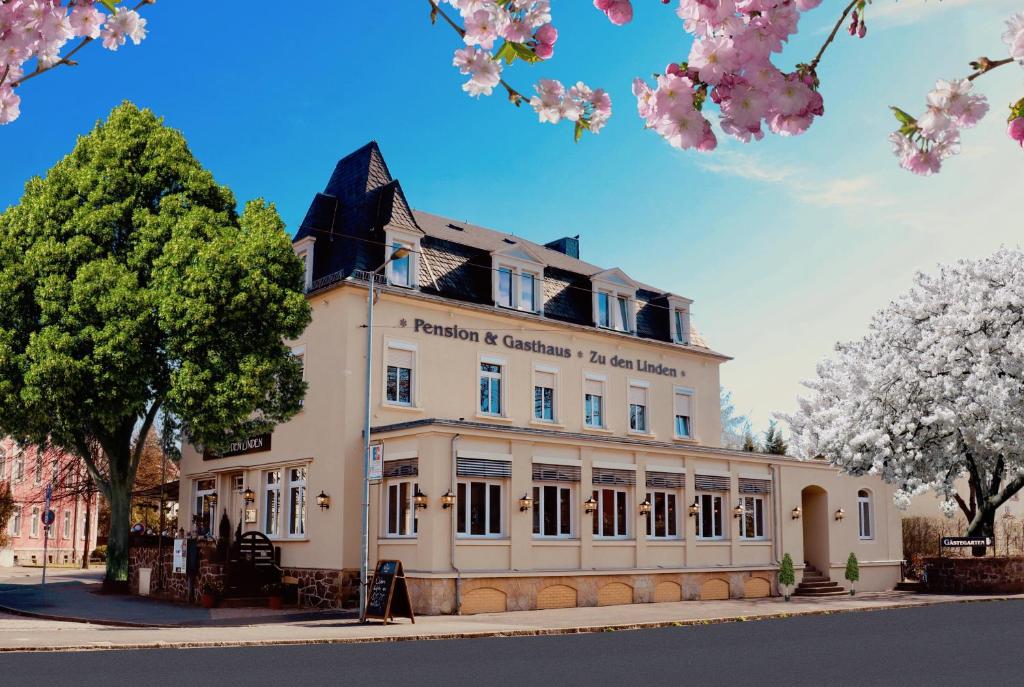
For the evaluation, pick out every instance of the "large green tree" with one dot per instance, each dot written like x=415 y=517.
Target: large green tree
x=133 y=294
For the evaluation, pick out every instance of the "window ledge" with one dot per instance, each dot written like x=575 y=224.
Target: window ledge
x=462 y=540
x=755 y=542
x=608 y=541
x=555 y=541
x=547 y=423
x=493 y=418
x=663 y=541
x=403 y=407
x=686 y=440
x=597 y=430
x=381 y=541
x=635 y=433
x=287 y=539
x=713 y=542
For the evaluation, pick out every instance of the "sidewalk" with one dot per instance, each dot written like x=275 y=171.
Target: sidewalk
x=72 y=594
x=26 y=634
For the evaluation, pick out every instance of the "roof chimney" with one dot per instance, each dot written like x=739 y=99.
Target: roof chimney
x=569 y=245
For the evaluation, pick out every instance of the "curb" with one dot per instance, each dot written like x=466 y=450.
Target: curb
x=535 y=632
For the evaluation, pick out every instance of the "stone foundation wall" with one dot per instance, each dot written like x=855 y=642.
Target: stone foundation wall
x=164 y=583
x=324 y=588
x=974 y=575
x=435 y=596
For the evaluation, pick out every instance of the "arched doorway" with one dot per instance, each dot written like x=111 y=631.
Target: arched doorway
x=814 y=504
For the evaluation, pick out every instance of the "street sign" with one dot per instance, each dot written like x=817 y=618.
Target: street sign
x=48 y=517
x=962 y=542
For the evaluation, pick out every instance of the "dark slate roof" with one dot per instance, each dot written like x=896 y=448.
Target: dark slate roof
x=348 y=221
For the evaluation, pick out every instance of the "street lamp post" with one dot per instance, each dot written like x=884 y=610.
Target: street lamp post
x=399 y=253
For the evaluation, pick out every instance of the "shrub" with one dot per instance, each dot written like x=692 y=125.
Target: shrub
x=852 y=570
x=100 y=552
x=787 y=576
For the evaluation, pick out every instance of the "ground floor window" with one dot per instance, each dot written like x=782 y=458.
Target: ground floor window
x=610 y=518
x=272 y=503
x=552 y=511
x=297 y=502
x=401 y=518
x=709 y=520
x=34 y=526
x=14 y=527
x=663 y=520
x=479 y=508
x=206 y=506
x=752 y=519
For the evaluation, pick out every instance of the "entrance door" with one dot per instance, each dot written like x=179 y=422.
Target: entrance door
x=814 y=504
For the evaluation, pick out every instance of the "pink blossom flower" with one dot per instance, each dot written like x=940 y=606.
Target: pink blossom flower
x=481 y=28
x=484 y=70
x=516 y=31
x=1014 y=36
x=712 y=57
x=86 y=21
x=1015 y=130
x=682 y=127
x=9 y=105
x=123 y=24
x=619 y=12
x=547 y=34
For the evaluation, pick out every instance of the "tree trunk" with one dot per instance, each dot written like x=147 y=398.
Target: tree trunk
x=983 y=525
x=120 y=497
x=87 y=529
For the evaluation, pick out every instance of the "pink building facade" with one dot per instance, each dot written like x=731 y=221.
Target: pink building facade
x=29 y=471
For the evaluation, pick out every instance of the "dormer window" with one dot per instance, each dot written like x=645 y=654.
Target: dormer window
x=680 y=326
x=403 y=271
x=304 y=251
x=679 y=311
x=614 y=301
x=517 y=278
x=401 y=268
x=505 y=278
x=604 y=309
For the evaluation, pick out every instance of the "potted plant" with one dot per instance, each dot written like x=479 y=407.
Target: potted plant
x=210 y=591
x=275 y=595
x=787 y=576
x=852 y=571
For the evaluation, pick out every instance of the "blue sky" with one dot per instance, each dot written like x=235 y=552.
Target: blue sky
x=786 y=246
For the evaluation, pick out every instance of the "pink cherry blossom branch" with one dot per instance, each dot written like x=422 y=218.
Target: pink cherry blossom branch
x=66 y=59
x=831 y=37
x=513 y=95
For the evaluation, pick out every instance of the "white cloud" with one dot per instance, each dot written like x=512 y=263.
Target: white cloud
x=903 y=12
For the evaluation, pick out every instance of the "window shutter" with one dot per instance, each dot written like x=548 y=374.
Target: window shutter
x=481 y=467
x=555 y=473
x=711 y=483
x=614 y=477
x=399 y=357
x=407 y=467
x=638 y=395
x=544 y=379
x=683 y=404
x=665 y=480
x=755 y=486
x=594 y=387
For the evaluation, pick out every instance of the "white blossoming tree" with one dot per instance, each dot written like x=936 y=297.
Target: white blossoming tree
x=934 y=393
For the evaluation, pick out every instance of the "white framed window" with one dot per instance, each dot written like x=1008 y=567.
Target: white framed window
x=611 y=519
x=615 y=307
x=34 y=525
x=297 y=501
x=752 y=518
x=400 y=270
x=399 y=364
x=683 y=417
x=516 y=288
x=663 y=520
x=604 y=309
x=593 y=402
x=304 y=251
x=623 y=320
x=14 y=526
x=205 y=504
x=272 y=503
x=709 y=519
x=400 y=510
x=18 y=471
x=865 y=514
x=552 y=511
x=299 y=353
x=491 y=400
x=54 y=471
x=480 y=509
x=638 y=404
x=67 y=524
x=545 y=382
x=680 y=326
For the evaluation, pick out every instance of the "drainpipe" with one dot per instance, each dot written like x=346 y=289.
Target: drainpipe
x=455 y=511
x=776 y=510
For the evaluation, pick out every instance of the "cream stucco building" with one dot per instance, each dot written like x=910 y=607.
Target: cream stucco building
x=550 y=431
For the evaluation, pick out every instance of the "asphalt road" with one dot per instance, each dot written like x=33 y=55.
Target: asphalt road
x=951 y=644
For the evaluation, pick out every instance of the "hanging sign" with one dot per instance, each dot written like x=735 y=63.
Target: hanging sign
x=376 y=469
x=241 y=447
x=388 y=595
x=962 y=542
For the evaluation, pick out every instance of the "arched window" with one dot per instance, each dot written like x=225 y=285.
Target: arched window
x=865 y=517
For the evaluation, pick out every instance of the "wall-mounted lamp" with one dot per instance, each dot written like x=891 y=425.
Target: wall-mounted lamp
x=323 y=500
x=524 y=503
x=447 y=499
x=840 y=514
x=212 y=497
x=645 y=507
x=737 y=512
x=694 y=508
x=249 y=496
x=796 y=513
x=590 y=505
x=419 y=499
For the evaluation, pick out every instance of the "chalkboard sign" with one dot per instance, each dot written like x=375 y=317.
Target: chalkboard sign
x=388 y=595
